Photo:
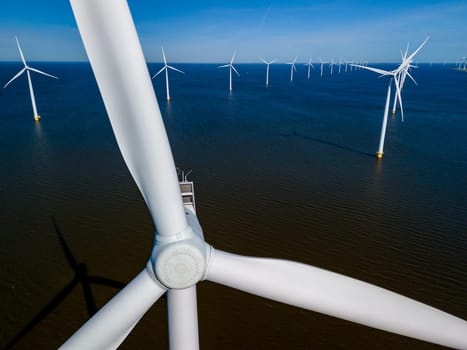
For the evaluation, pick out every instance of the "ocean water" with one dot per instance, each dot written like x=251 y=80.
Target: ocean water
x=286 y=171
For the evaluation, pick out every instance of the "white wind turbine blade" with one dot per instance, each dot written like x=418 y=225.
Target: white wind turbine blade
x=398 y=95
x=131 y=104
x=233 y=57
x=16 y=76
x=108 y=328
x=21 y=52
x=235 y=70
x=412 y=78
x=376 y=70
x=175 y=69
x=43 y=73
x=224 y=66
x=163 y=55
x=262 y=59
x=410 y=58
x=402 y=77
x=404 y=54
x=336 y=295
x=159 y=72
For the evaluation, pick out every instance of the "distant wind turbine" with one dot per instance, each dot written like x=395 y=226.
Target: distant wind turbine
x=394 y=76
x=267 y=69
x=231 y=67
x=31 y=90
x=292 y=68
x=331 y=65
x=462 y=63
x=166 y=68
x=322 y=64
x=309 y=65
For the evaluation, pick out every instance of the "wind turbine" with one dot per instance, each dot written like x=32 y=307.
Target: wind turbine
x=231 y=67
x=309 y=65
x=394 y=74
x=331 y=64
x=181 y=257
x=292 y=68
x=322 y=64
x=267 y=69
x=26 y=69
x=166 y=68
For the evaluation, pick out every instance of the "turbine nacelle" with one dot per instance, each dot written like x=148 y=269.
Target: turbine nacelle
x=182 y=263
x=267 y=62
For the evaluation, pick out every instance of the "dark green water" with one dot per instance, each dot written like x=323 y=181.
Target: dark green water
x=286 y=172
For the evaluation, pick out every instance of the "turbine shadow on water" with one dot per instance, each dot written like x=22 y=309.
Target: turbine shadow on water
x=81 y=276
x=327 y=143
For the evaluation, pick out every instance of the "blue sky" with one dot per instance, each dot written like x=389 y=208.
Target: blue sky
x=209 y=31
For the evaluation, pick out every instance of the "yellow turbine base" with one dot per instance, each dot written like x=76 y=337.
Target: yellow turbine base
x=379 y=155
x=37 y=117
x=393 y=112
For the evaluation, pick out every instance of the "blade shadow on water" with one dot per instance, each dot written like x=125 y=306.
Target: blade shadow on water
x=81 y=276
x=328 y=143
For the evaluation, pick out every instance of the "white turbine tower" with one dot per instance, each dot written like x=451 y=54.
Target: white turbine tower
x=181 y=257
x=231 y=67
x=309 y=65
x=292 y=68
x=31 y=90
x=267 y=69
x=166 y=68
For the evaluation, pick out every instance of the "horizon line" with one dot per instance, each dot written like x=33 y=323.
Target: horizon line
x=222 y=62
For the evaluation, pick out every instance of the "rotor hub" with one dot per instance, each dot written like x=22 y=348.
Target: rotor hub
x=180 y=265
